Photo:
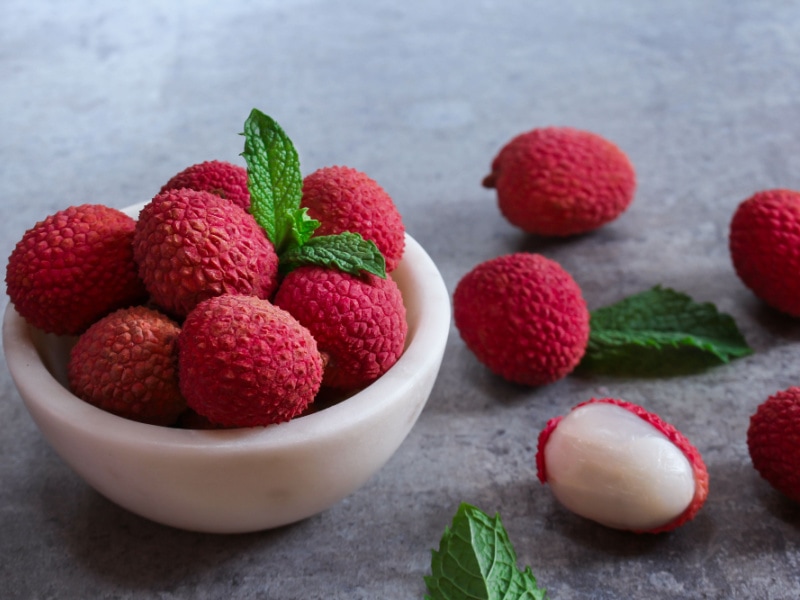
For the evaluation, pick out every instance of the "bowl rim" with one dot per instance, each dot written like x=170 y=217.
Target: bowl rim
x=428 y=332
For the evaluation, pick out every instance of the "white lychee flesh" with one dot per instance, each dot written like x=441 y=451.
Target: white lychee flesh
x=607 y=464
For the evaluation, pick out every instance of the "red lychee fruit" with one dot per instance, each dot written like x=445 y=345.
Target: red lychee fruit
x=773 y=440
x=192 y=245
x=617 y=464
x=74 y=267
x=244 y=362
x=359 y=322
x=221 y=178
x=764 y=245
x=560 y=181
x=524 y=317
x=127 y=364
x=344 y=199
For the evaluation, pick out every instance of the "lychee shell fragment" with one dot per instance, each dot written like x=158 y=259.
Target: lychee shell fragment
x=615 y=463
x=523 y=316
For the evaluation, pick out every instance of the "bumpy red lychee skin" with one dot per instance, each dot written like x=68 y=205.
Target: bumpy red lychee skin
x=127 y=364
x=773 y=440
x=524 y=317
x=764 y=244
x=560 y=181
x=244 y=362
x=345 y=199
x=221 y=178
x=192 y=245
x=359 y=322
x=691 y=453
x=74 y=267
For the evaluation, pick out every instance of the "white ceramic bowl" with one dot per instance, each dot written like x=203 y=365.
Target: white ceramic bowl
x=231 y=481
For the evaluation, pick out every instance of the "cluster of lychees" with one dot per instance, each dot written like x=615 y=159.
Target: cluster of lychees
x=183 y=316
x=525 y=318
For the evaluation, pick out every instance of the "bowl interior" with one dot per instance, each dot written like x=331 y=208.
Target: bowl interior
x=43 y=375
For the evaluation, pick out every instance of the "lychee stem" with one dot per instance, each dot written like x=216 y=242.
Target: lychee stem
x=489 y=181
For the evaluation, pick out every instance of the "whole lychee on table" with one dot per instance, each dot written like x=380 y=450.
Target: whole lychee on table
x=561 y=181
x=523 y=316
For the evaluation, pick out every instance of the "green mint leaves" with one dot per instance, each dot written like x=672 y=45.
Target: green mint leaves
x=275 y=183
x=273 y=177
x=346 y=251
x=476 y=561
x=661 y=332
x=302 y=227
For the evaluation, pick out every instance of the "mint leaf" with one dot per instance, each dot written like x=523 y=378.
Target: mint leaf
x=302 y=227
x=661 y=332
x=476 y=561
x=275 y=183
x=348 y=252
x=273 y=177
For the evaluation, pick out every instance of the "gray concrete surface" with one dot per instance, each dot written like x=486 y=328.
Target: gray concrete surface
x=102 y=102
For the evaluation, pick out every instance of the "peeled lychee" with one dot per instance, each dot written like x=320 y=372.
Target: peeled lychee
x=218 y=177
x=619 y=465
x=523 y=316
x=359 y=322
x=74 y=267
x=245 y=362
x=560 y=181
x=764 y=244
x=192 y=245
x=773 y=439
x=344 y=199
x=127 y=364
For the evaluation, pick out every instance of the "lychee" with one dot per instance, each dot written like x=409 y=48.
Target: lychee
x=560 y=181
x=345 y=199
x=773 y=440
x=764 y=245
x=219 y=177
x=244 y=362
x=617 y=464
x=192 y=245
x=74 y=267
x=359 y=322
x=523 y=316
x=127 y=364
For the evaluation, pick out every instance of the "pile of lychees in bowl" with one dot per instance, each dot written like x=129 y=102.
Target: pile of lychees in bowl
x=239 y=352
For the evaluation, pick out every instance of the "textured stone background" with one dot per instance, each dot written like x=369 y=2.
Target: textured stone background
x=102 y=103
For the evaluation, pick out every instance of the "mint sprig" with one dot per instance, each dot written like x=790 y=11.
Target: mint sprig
x=275 y=183
x=476 y=561
x=346 y=251
x=661 y=332
x=302 y=228
x=274 y=179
